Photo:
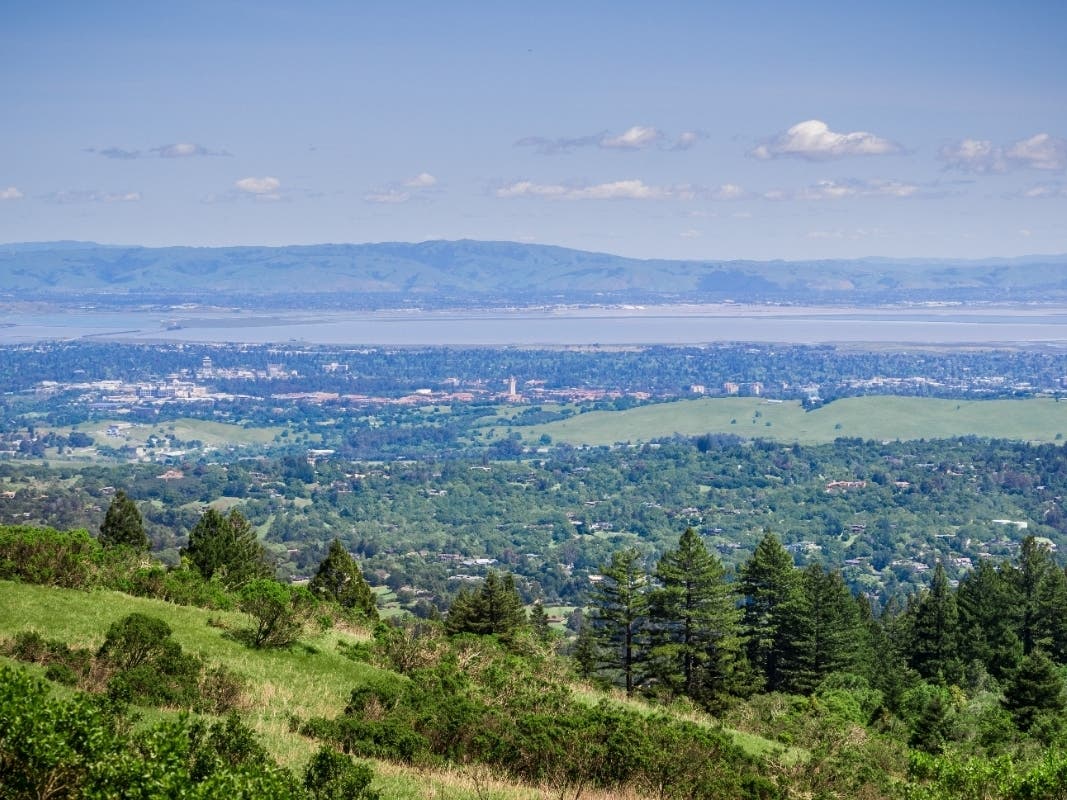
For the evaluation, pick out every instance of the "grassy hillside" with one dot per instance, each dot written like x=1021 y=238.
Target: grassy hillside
x=879 y=418
x=308 y=680
x=311 y=679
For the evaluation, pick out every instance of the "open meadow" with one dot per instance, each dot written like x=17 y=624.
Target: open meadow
x=878 y=418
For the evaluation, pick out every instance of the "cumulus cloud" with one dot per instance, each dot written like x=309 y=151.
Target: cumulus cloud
x=686 y=140
x=615 y=190
x=265 y=188
x=424 y=180
x=1040 y=151
x=973 y=155
x=813 y=140
x=175 y=150
x=636 y=137
x=10 y=193
x=402 y=191
x=838 y=190
x=69 y=196
x=728 y=191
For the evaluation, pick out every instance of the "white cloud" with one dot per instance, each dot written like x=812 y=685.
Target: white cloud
x=10 y=193
x=636 y=138
x=266 y=187
x=615 y=190
x=687 y=140
x=838 y=190
x=387 y=196
x=1040 y=151
x=692 y=233
x=973 y=155
x=813 y=140
x=728 y=191
x=424 y=180
x=185 y=150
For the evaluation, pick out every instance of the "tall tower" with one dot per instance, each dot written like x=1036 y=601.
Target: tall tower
x=511 y=387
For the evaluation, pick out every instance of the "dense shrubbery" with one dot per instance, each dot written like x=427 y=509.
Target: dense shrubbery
x=79 y=748
x=473 y=699
x=139 y=663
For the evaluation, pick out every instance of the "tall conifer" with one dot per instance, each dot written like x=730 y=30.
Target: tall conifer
x=693 y=621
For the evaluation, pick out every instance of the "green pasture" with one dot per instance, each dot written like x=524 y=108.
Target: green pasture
x=212 y=434
x=876 y=417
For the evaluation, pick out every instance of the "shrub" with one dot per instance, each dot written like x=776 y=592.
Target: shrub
x=47 y=556
x=279 y=612
x=333 y=776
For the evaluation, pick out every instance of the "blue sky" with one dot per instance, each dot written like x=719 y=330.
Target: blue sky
x=681 y=130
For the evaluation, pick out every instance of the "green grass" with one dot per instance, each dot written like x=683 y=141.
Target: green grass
x=880 y=418
x=310 y=679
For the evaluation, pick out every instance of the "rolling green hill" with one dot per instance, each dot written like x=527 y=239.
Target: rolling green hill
x=879 y=418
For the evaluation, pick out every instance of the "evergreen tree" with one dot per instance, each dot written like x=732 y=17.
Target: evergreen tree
x=539 y=623
x=1042 y=591
x=693 y=622
x=586 y=652
x=122 y=525
x=495 y=608
x=836 y=636
x=620 y=605
x=935 y=632
x=340 y=580
x=226 y=547
x=989 y=618
x=1035 y=688
x=773 y=618
x=932 y=728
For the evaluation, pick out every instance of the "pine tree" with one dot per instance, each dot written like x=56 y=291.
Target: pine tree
x=339 y=579
x=122 y=525
x=837 y=636
x=773 y=606
x=226 y=547
x=1035 y=688
x=495 y=608
x=539 y=623
x=1042 y=590
x=989 y=618
x=935 y=632
x=619 y=606
x=693 y=622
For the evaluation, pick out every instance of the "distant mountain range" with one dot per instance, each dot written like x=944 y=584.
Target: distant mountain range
x=475 y=273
